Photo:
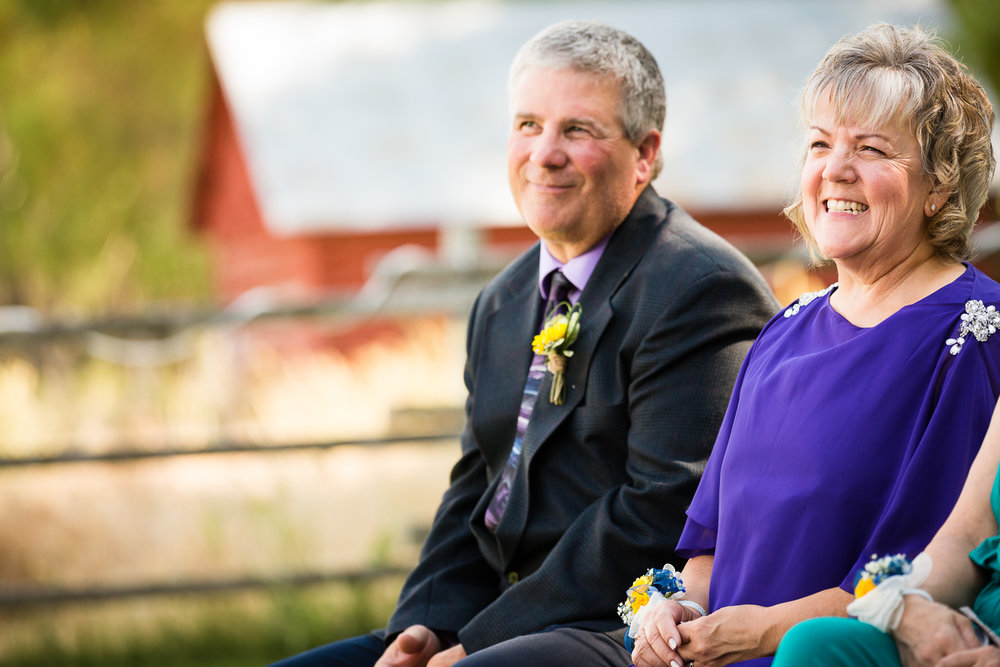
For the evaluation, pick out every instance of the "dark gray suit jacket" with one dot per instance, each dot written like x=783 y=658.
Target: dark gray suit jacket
x=605 y=478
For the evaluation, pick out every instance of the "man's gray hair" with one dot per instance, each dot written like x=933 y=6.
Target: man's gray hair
x=596 y=48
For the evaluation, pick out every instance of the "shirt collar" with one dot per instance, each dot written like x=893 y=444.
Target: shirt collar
x=578 y=270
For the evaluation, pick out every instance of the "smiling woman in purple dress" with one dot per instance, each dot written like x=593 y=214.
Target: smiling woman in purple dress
x=860 y=408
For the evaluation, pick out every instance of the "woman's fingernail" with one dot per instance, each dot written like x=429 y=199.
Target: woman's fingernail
x=673 y=663
x=672 y=643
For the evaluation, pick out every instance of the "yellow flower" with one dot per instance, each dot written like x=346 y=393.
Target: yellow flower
x=553 y=333
x=864 y=586
x=638 y=600
x=644 y=580
x=638 y=595
x=554 y=341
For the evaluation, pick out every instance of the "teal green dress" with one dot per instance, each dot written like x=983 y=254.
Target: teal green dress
x=830 y=642
x=987 y=556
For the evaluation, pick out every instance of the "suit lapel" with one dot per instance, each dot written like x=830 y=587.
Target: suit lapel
x=502 y=369
x=630 y=242
x=506 y=355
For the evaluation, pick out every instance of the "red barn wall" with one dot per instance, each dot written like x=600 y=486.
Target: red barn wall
x=247 y=255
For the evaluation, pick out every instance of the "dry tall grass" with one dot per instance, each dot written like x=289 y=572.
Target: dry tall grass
x=220 y=515
x=233 y=386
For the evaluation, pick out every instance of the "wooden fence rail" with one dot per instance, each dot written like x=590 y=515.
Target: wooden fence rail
x=22 y=597
x=125 y=456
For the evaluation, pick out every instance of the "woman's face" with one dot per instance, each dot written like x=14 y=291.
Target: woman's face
x=865 y=195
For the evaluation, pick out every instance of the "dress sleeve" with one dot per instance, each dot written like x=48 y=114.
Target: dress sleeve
x=939 y=453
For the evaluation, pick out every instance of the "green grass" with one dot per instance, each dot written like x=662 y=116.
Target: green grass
x=219 y=631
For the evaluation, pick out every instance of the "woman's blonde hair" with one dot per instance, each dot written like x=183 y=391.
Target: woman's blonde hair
x=887 y=74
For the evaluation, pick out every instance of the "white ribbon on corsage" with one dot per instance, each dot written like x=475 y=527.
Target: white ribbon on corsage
x=656 y=598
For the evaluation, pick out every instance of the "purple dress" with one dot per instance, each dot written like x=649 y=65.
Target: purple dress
x=841 y=442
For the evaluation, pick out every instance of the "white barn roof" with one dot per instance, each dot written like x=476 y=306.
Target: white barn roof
x=381 y=115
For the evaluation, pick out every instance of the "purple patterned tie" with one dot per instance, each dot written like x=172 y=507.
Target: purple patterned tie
x=558 y=291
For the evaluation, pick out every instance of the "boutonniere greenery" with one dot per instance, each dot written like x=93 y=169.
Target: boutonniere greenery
x=558 y=334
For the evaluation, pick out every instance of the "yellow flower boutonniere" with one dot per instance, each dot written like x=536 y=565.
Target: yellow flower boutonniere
x=558 y=333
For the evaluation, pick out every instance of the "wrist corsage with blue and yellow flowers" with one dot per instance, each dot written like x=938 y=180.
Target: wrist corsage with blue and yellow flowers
x=652 y=588
x=879 y=588
x=878 y=570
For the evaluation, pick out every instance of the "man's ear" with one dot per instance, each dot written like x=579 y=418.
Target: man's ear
x=647 y=149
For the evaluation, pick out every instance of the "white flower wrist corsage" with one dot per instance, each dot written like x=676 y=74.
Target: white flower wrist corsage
x=881 y=586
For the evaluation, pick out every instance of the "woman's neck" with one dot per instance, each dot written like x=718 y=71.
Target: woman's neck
x=867 y=297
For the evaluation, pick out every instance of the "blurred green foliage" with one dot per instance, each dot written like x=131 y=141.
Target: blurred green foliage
x=101 y=108
x=979 y=32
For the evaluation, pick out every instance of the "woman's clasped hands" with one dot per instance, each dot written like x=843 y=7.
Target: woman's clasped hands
x=675 y=635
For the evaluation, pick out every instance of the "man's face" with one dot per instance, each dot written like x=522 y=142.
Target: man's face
x=573 y=173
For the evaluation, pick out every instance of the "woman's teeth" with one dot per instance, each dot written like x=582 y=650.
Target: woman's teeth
x=841 y=206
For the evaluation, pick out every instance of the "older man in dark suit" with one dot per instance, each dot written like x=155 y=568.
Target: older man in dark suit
x=559 y=501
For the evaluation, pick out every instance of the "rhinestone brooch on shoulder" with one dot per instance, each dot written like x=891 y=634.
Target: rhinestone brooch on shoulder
x=806 y=299
x=979 y=320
